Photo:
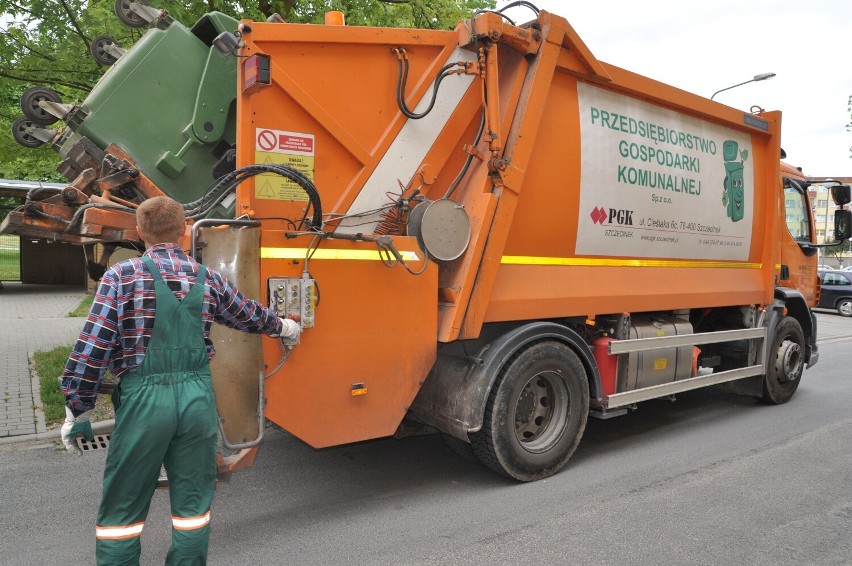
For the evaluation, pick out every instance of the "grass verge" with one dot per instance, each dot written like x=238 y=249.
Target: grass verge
x=83 y=308
x=49 y=365
x=10 y=258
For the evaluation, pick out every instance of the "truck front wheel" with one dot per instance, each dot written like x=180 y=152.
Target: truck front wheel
x=786 y=362
x=535 y=414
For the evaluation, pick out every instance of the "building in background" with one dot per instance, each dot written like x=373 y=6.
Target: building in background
x=823 y=209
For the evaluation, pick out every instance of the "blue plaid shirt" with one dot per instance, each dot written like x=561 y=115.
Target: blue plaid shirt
x=121 y=320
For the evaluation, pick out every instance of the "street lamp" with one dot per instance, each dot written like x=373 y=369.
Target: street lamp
x=760 y=77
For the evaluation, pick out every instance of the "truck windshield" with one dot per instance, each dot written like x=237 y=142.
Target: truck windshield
x=796 y=208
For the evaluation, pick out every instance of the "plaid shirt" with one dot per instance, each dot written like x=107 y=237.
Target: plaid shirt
x=121 y=320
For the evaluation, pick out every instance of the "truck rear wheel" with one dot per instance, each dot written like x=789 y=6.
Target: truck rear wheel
x=786 y=362
x=535 y=414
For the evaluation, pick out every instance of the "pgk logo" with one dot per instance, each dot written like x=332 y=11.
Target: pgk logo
x=598 y=215
x=622 y=217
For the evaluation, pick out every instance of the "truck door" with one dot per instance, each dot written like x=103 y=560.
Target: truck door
x=798 y=268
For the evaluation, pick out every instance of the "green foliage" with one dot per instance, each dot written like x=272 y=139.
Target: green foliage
x=49 y=365
x=46 y=43
x=83 y=308
x=837 y=251
x=10 y=257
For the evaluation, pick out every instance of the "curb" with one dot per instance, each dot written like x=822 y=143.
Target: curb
x=35 y=386
x=100 y=427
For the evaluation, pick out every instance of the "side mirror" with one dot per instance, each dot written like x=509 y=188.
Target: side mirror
x=841 y=194
x=843 y=222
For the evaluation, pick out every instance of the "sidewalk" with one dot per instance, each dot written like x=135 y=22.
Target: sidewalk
x=32 y=318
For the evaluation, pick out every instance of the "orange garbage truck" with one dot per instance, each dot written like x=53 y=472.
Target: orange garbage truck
x=485 y=232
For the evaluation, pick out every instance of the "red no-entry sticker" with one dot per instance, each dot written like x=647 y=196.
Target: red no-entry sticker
x=280 y=141
x=266 y=140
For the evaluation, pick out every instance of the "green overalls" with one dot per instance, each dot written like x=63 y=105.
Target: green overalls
x=166 y=414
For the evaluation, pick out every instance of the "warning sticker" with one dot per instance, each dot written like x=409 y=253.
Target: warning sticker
x=277 y=147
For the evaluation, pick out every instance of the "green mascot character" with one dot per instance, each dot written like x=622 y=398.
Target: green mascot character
x=733 y=196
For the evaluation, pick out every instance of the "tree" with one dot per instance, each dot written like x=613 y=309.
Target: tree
x=840 y=252
x=47 y=42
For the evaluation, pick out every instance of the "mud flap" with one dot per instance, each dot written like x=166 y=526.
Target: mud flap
x=235 y=369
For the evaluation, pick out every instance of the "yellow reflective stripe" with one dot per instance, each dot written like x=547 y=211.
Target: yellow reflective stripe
x=598 y=262
x=115 y=533
x=190 y=523
x=332 y=253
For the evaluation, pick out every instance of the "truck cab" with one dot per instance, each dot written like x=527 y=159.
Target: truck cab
x=797 y=268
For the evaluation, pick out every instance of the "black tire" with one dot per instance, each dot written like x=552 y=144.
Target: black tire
x=786 y=362
x=460 y=448
x=844 y=307
x=127 y=16
x=30 y=105
x=535 y=414
x=19 y=132
x=98 y=50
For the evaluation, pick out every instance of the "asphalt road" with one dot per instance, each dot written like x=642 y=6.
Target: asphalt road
x=708 y=479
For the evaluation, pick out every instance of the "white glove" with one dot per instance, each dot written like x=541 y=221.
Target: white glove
x=290 y=329
x=74 y=426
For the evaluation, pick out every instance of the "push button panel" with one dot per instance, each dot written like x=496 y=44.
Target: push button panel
x=293 y=297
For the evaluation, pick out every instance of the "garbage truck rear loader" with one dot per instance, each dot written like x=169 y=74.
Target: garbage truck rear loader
x=490 y=233
x=621 y=239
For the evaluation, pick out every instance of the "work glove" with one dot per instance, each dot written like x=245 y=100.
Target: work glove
x=74 y=426
x=290 y=329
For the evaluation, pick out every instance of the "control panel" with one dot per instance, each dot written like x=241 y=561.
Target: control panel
x=294 y=297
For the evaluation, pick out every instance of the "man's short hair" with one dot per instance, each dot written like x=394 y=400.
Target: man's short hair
x=162 y=220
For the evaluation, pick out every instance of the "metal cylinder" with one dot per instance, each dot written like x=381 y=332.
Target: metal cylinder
x=442 y=228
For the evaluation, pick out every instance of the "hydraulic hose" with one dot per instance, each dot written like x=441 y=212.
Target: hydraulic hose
x=228 y=184
x=402 y=79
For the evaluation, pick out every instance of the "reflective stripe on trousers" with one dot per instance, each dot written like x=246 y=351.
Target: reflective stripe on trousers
x=117 y=533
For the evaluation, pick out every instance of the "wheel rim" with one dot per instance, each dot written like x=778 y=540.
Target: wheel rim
x=127 y=16
x=33 y=110
x=541 y=411
x=788 y=363
x=100 y=53
x=845 y=308
x=20 y=131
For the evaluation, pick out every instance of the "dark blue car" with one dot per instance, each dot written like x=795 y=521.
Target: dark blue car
x=836 y=291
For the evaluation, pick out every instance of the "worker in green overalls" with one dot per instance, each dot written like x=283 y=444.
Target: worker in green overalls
x=150 y=324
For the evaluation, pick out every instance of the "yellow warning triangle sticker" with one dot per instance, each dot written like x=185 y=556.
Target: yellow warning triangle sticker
x=266 y=191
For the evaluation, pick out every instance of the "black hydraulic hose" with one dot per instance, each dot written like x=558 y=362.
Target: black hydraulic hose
x=218 y=188
x=79 y=212
x=502 y=15
x=468 y=159
x=31 y=209
x=229 y=183
x=523 y=3
x=35 y=191
x=402 y=79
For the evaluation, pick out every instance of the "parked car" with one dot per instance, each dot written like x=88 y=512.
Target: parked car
x=836 y=291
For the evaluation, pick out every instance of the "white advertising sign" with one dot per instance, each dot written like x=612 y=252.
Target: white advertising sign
x=658 y=184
